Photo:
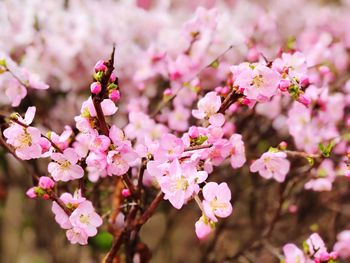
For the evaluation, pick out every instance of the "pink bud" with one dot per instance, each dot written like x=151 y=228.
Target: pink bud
x=304 y=100
x=100 y=66
x=44 y=144
x=283 y=145
x=225 y=90
x=113 y=77
x=284 y=84
x=167 y=92
x=218 y=89
x=46 y=196
x=175 y=75
x=304 y=81
x=245 y=101
x=114 y=95
x=31 y=193
x=324 y=256
x=95 y=88
x=126 y=192
x=46 y=182
x=193 y=132
x=293 y=209
x=333 y=255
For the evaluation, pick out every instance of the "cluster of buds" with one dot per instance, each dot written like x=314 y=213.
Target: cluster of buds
x=43 y=190
x=112 y=84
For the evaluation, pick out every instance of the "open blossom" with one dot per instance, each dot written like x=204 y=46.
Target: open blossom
x=272 y=165
x=25 y=140
x=65 y=167
x=77 y=235
x=257 y=81
x=181 y=182
x=216 y=201
x=342 y=247
x=170 y=148
x=85 y=218
x=119 y=161
x=208 y=108
x=293 y=254
x=324 y=177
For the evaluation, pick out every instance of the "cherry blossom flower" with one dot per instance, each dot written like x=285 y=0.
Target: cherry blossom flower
x=272 y=165
x=208 y=108
x=342 y=247
x=293 y=254
x=216 y=201
x=65 y=167
x=85 y=218
x=258 y=82
x=181 y=182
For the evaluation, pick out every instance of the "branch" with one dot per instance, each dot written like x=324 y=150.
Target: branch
x=97 y=99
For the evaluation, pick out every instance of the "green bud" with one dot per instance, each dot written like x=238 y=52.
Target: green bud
x=112 y=86
x=98 y=76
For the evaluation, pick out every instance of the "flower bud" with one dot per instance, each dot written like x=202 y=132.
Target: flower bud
x=113 y=77
x=284 y=84
x=46 y=197
x=193 y=132
x=46 y=182
x=304 y=100
x=100 y=66
x=95 y=88
x=304 y=81
x=167 y=92
x=114 y=95
x=31 y=193
x=126 y=192
x=283 y=145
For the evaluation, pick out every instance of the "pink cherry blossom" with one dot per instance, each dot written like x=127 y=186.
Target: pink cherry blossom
x=26 y=141
x=65 y=167
x=181 y=182
x=342 y=247
x=85 y=218
x=46 y=182
x=293 y=254
x=208 y=108
x=77 y=235
x=170 y=147
x=216 y=201
x=256 y=81
x=272 y=165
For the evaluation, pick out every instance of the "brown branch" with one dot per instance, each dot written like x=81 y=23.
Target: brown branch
x=197 y=147
x=140 y=176
x=129 y=184
x=150 y=210
x=97 y=99
x=302 y=154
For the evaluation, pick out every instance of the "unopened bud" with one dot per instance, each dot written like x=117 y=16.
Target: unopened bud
x=95 y=88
